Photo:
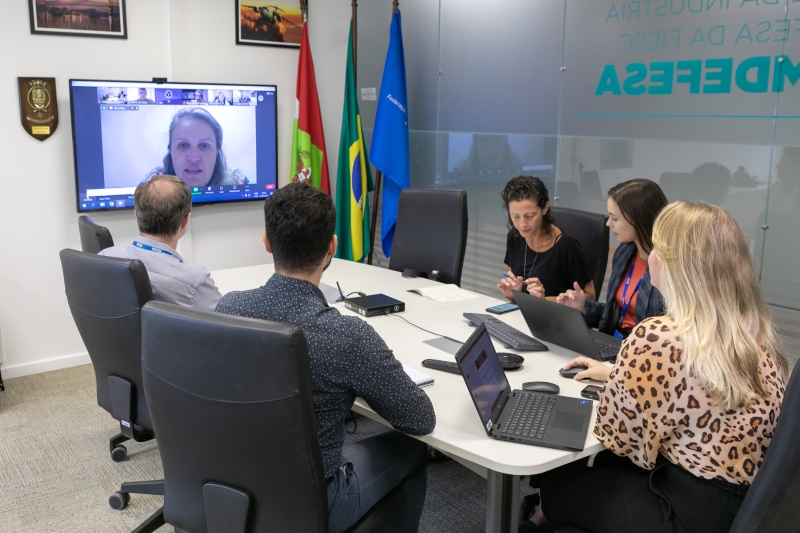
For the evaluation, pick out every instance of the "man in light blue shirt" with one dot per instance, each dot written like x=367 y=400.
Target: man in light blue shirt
x=163 y=207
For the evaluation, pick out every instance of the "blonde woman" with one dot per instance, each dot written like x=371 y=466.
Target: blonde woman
x=690 y=407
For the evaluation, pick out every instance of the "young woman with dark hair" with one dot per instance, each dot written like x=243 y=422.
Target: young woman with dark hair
x=540 y=258
x=632 y=209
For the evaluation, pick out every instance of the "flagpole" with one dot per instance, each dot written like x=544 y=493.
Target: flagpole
x=378 y=176
x=304 y=10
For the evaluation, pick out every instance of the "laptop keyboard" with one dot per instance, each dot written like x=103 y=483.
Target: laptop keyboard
x=607 y=351
x=529 y=415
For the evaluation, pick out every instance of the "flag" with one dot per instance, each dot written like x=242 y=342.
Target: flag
x=389 y=149
x=353 y=178
x=308 y=161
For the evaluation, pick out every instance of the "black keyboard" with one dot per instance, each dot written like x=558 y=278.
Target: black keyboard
x=512 y=337
x=529 y=415
x=606 y=351
x=444 y=366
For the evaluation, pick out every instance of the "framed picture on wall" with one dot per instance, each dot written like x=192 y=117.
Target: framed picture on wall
x=82 y=18
x=269 y=23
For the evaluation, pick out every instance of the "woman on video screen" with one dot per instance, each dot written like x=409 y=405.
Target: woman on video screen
x=194 y=152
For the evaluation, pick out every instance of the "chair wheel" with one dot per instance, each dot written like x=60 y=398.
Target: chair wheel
x=119 y=454
x=119 y=500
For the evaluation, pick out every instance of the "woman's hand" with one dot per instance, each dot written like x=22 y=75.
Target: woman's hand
x=509 y=283
x=535 y=287
x=594 y=369
x=573 y=298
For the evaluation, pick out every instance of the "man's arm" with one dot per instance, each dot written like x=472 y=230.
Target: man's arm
x=380 y=380
x=206 y=294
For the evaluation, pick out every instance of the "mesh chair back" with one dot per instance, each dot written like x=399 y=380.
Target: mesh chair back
x=431 y=233
x=239 y=390
x=592 y=233
x=93 y=237
x=105 y=296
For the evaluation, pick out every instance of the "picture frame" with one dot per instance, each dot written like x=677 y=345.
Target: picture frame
x=79 y=18
x=269 y=23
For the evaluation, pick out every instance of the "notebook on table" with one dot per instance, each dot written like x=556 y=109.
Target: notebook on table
x=421 y=379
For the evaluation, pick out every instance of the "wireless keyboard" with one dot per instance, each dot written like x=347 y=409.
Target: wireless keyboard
x=444 y=366
x=512 y=337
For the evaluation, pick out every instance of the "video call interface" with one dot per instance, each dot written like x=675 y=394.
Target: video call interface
x=484 y=375
x=219 y=139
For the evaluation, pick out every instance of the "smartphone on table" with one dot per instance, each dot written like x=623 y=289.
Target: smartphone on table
x=592 y=392
x=502 y=308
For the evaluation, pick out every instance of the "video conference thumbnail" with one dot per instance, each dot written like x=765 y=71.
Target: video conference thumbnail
x=170 y=96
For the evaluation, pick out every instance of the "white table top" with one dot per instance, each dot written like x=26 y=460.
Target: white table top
x=458 y=428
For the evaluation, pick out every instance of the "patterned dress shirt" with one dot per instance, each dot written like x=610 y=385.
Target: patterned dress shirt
x=348 y=359
x=173 y=280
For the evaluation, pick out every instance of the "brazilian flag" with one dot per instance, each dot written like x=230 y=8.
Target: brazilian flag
x=353 y=177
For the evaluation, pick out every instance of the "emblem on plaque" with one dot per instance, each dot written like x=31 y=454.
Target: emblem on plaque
x=38 y=106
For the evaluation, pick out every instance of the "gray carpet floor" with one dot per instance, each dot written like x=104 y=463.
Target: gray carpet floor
x=56 y=473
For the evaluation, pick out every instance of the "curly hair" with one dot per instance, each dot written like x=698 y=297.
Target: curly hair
x=528 y=188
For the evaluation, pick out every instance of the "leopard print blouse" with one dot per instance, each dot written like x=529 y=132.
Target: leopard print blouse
x=651 y=405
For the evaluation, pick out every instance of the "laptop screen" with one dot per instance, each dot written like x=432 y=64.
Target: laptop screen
x=482 y=372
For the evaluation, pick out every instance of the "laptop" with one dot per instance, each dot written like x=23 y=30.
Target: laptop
x=565 y=327
x=533 y=418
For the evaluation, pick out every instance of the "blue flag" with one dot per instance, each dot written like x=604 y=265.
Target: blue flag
x=389 y=149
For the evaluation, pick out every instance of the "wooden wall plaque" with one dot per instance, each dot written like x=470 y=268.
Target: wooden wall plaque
x=38 y=106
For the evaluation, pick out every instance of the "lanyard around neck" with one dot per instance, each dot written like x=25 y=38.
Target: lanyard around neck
x=149 y=248
x=627 y=304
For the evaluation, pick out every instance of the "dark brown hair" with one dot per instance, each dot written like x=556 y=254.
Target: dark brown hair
x=639 y=201
x=528 y=188
x=160 y=212
x=300 y=221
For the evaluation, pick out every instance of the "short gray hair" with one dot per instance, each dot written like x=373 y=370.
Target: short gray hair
x=158 y=211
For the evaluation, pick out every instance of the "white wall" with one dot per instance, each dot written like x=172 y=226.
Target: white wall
x=185 y=40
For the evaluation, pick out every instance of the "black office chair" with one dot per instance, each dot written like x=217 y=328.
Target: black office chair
x=592 y=233
x=431 y=233
x=105 y=297
x=93 y=237
x=771 y=503
x=239 y=390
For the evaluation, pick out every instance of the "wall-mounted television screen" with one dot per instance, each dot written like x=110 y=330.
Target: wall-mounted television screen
x=221 y=140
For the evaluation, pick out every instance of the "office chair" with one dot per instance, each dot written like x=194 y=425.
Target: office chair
x=431 y=233
x=105 y=297
x=592 y=233
x=239 y=390
x=770 y=505
x=93 y=237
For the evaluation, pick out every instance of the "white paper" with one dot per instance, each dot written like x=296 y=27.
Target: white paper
x=419 y=378
x=445 y=294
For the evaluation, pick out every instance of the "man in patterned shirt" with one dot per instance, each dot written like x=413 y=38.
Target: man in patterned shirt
x=163 y=207
x=348 y=359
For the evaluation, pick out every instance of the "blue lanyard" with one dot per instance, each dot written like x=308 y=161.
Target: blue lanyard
x=627 y=304
x=158 y=250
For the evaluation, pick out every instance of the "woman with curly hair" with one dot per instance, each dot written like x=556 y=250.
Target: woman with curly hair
x=541 y=259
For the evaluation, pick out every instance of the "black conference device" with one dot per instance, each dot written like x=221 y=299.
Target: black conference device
x=374 y=305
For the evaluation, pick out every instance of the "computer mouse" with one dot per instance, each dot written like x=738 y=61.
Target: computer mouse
x=510 y=361
x=570 y=373
x=541 y=386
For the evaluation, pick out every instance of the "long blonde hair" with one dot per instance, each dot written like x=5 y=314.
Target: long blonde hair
x=712 y=294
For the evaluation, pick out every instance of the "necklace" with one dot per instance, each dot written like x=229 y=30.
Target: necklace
x=525 y=262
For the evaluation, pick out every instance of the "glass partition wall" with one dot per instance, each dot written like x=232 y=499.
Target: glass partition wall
x=701 y=96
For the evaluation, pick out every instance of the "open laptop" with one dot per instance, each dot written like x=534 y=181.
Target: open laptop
x=565 y=327
x=515 y=415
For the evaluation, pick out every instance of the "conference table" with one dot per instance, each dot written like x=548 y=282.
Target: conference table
x=459 y=432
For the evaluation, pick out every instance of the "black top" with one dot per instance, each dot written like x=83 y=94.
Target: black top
x=557 y=268
x=348 y=359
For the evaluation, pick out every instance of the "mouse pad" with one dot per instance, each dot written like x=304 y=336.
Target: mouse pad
x=446 y=345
